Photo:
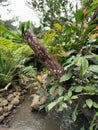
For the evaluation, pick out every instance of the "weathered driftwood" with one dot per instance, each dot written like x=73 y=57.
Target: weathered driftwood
x=6 y=87
x=41 y=52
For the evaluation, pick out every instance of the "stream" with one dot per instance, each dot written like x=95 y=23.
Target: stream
x=24 y=119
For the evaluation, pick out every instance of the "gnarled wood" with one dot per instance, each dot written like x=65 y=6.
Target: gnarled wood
x=41 y=52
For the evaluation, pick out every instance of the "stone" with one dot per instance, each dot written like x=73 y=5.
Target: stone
x=1 y=118
x=15 y=93
x=15 y=101
x=36 y=103
x=6 y=114
x=10 y=106
x=17 y=97
x=1 y=99
x=10 y=97
x=19 y=93
x=4 y=102
x=1 y=110
x=5 y=109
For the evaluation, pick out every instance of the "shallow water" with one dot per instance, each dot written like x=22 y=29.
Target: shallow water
x=24 y=119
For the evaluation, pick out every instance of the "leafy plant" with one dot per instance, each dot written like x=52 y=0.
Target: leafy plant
x=75 y=47
x=12 y=59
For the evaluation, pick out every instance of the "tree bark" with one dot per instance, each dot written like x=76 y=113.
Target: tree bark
x=41 y=52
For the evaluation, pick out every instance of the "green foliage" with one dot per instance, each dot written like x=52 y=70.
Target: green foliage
x=75 y=45
x=4 y=32
x=65 y=77
x=12 y=59
x=51 y=12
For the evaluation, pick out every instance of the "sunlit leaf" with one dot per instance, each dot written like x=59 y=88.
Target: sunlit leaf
x=95 y=104
x=78 y=89
x=89 y=103
x=60 y=90
x=6 y=31
x=51 y=105
x=82 y=62
x=74 y=97
x=93 y=68
x=52 y=89
x=65 y=77
x=69 y=93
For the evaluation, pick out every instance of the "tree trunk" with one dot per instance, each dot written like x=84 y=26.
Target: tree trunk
x=41 y=52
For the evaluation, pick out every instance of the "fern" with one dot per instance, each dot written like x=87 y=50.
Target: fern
x=29 y=71
x=12 y=59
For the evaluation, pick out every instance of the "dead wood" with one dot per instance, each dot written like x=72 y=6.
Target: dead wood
x=41 y=52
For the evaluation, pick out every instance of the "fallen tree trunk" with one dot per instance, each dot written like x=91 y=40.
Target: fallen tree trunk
x=41 y=52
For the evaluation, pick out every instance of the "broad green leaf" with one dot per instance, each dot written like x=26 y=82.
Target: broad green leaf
x=6 y=31
x=79 y=16
x=51 y=105
x=65 y=77
x=66 y=97
x=69 y=93
x=60 y=99
x=62 y=106
x=90 y=89
x=52 y=89
x=82 y=62
x=95 y=104
x=74 y=116
x=89 y=103
x=74 y=97
x=78 y=89
x=93 y=68
x=60 y=90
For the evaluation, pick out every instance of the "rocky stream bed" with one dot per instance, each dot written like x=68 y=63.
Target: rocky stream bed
x=16 y=114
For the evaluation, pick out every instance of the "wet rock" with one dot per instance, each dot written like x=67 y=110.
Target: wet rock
x=1 y=118
x=1 y=99
x=36 y=102
x=3 y=103
x=1 y=110
x=10 y=106
x=5 y=109
x=15 y=94
x=15 y=101
x=10 y=97
x=17 y=97
x=6 y=114
x=19 y=94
